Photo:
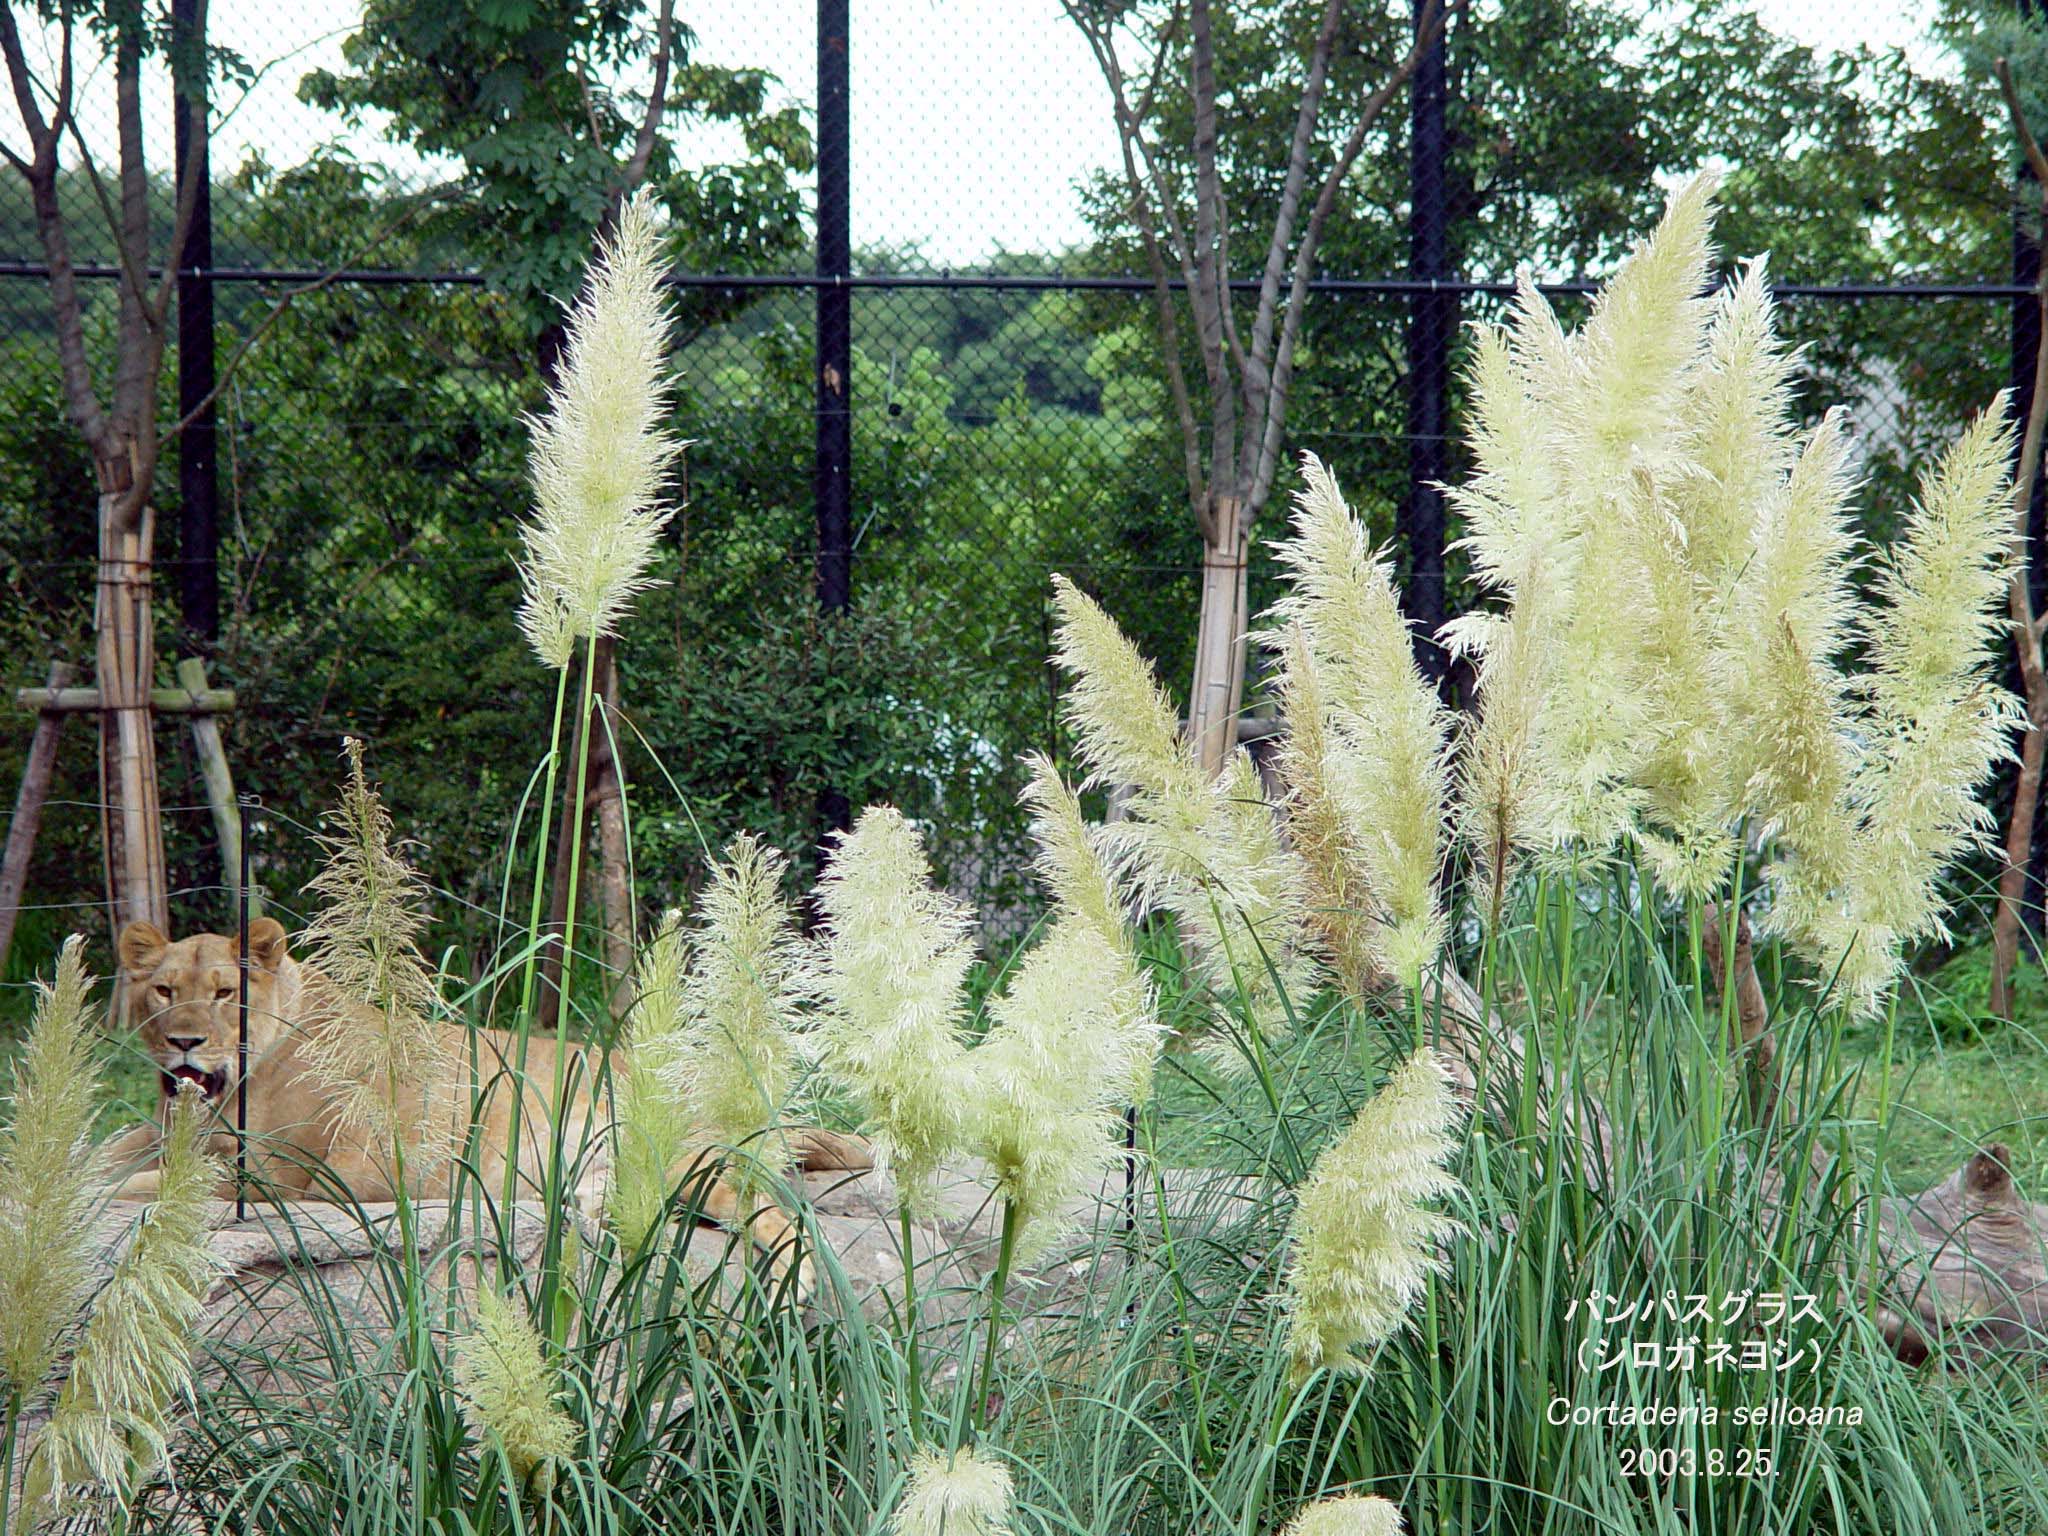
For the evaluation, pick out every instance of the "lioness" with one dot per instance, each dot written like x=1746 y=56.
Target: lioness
x=184 y=997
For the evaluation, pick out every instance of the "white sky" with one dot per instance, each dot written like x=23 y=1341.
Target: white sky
x=973 y=120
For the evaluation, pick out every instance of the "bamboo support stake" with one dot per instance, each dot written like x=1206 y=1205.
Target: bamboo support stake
x=219 y=779
x=28 y=810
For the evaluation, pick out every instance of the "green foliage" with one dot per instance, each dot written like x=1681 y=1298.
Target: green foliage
x=526 y=97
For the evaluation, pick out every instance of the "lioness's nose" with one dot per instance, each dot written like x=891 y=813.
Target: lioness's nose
x=184 y=1042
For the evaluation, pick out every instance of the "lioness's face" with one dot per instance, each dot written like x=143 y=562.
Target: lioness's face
x=184 y=997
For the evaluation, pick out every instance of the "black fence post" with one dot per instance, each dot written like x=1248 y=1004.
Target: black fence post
x=198 y=474
x=1432 y=318
x=832 y=471
x=2026 y=341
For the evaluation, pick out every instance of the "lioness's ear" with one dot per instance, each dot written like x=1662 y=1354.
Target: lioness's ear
x=267 y=943
x=141 y=947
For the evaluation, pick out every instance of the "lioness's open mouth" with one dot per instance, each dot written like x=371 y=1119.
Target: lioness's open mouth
x=212 y=1084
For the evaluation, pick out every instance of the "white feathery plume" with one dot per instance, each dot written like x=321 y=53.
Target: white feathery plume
x=958 y=1494
x=1352 y=1515
x=1043 y=1089
x=1934 y=719
x=1364 y=1240
x=1736 y=421
x=395 y=1080
x=1209 y=851
x=735 y=1062
x=1684 y=771
x=889 y=966
x=1388 y=732
x=651 y=1129
x=1633 y=361
x=50 y=1177
x=1340 y=913
x=510 y=1394
x=1789 y=726
x=601 y=453
x=1087 y=892
x=111 y=1419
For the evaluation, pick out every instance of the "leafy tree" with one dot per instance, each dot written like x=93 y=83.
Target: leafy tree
x=529 y=100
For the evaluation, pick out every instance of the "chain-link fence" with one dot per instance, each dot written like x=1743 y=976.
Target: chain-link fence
x=380 y=324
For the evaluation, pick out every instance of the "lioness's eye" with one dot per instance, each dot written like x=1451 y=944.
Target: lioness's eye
x=223 y=994
x=163 y=992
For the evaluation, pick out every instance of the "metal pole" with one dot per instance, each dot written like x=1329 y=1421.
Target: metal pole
x=198 y=476
x=832 y=471
x=242 y=808
x=2026 y=341
x=1432 y=319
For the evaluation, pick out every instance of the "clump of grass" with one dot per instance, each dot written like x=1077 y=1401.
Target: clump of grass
x=1657 y=534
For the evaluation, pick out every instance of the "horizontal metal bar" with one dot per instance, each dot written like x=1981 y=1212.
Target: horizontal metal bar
x=1388 y=287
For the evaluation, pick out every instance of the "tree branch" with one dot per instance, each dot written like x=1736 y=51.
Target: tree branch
x=1209 y=291
x=1129 y=127
x=1305 y=119
x=67 y=309
x=1428 y=25
x=657 y=98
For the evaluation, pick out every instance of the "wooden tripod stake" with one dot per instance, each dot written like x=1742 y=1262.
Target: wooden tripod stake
x=193 y=698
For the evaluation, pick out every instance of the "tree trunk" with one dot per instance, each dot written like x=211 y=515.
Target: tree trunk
x=2019 y=833
x=1217 y=695
x=125 y=662
x=604 y=801
x=608 y=794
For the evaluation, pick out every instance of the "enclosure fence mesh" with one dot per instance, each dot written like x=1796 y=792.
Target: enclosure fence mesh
x=381 y=324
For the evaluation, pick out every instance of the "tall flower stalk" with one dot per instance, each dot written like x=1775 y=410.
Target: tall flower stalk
x=1373 y=772
x=1670 y=666
x=600 y=460
x=599 y=463
x=509 y=1393
x=395 y=1082
x=888 y=969
x=711 y=1042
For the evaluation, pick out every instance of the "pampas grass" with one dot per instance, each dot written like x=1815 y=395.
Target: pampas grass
x=1364 y=1240
x=1207 y=850
x=601 y=453
x=651 y=1134
x=394 y=1080
x=735 y=1063
x=1351 y=1516
x=50 y=1172
x=110 y=1426
x=509 y=1392
x=1677 y=564
x=1375 y=766
x=959 y=1493
x=888 y=969
x=1087 y=893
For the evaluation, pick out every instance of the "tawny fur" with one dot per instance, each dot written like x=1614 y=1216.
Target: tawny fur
x=183 y=996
